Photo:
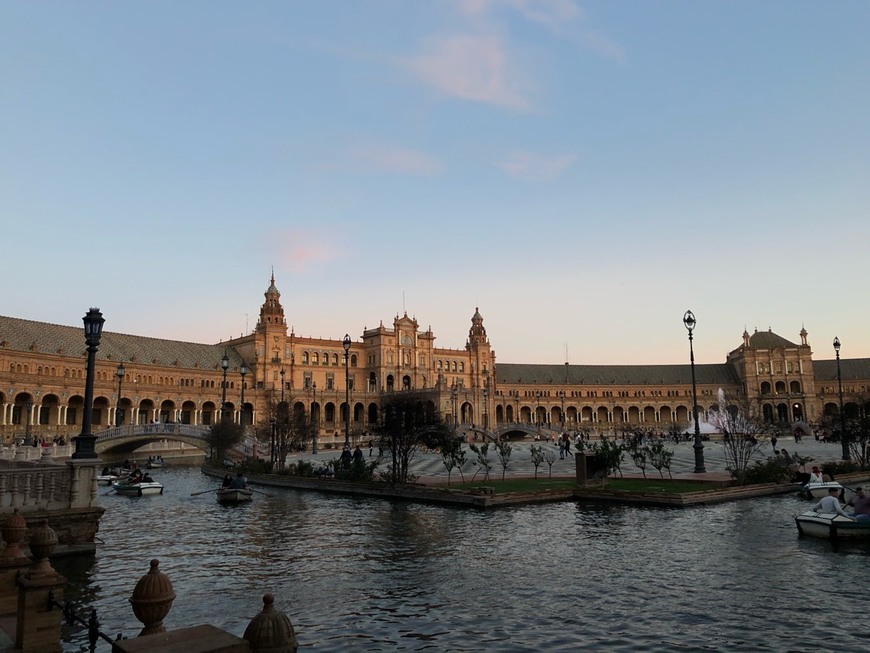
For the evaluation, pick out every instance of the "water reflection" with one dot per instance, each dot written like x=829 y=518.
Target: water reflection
x=371 y=575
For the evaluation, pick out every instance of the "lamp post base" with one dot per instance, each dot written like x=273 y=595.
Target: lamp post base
x=699 y=456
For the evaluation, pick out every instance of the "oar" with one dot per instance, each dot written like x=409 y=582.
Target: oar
x=109 y=492
x=193 y=494
x=263 y=493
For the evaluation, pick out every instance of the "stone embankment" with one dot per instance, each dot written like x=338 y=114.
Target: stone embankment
x=484 y=496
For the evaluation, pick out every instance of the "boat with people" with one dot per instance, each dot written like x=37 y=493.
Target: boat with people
x=228 y=495
x=133 y=488
x=832 y=526
x=155 y=463
x=817 y=490
x=137 y=485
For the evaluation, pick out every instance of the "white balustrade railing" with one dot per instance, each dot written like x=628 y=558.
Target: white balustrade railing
x=30 y=486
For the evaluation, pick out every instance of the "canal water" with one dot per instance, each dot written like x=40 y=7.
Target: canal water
x=371 y=575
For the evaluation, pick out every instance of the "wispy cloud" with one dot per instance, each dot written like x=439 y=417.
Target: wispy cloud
x=470 y=67
x=536 y=167
x=394 y=159
x=301 y=249
x=563 y=17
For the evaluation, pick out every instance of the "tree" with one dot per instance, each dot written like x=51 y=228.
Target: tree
x=858 y=432
x=222 y=437
x=537 y=453
x=660 y=457
x=609 y=454
x=293 y=430
x=453 y=455
x=409 y=421
x=503 y=449
x=639 y=456
x=744 y=431
x=483 y=461
x=550 y=458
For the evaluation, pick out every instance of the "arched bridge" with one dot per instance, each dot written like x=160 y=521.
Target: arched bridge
x=122 y=439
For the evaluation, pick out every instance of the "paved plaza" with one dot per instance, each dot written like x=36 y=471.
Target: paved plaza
x=429 y=468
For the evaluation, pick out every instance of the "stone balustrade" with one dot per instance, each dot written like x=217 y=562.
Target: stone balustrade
x=32 y=486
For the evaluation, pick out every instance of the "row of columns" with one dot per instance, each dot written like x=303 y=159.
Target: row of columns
x=150 y=415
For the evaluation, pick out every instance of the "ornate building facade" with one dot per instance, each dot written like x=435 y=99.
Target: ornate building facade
x=141 y=380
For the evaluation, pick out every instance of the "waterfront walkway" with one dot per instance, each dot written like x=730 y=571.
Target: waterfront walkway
x=429 y=468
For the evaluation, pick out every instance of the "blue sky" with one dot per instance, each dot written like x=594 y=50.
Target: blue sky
x=583 y=172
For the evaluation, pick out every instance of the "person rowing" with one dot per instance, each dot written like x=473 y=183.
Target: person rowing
x=831 y=503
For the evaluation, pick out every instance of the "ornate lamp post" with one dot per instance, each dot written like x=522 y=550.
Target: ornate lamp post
x=689 y=322
x=486 y=409
x=120 y=374
x=28 y=408
x=225 y=364
x=314 y=416
x=272 y=422
x=517 y=410
x=86 y=441
x=243 y=370
x=844 y=440
x=346 y=344
x=454 y=393
x=562 y=414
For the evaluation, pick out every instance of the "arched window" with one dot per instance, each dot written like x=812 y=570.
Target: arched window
x=353 y=360
x=325 y=359
x=335 y=359
x=315 y=358
x=305 y=358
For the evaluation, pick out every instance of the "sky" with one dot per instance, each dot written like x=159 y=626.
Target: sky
x=582 y=171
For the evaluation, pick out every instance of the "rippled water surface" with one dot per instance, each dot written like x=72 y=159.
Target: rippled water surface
x=371 y=575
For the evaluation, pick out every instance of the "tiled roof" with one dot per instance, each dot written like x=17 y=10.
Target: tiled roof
x=45 y=338
x=719 y=373
x=769 y=340
x=851 y=369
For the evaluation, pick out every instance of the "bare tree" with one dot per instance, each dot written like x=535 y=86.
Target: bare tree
x=744 y=432
x=410 y=420
x=503 y=449
x=537 y=453
x=550 y=458
x=453 y=455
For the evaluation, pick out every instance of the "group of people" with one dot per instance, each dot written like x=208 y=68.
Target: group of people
x=240 y=482
x=860 y=504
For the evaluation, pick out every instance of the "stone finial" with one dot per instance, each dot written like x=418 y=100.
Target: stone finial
x=152 y=599
x=43 y=539
x=271 y=630
x=14 y=530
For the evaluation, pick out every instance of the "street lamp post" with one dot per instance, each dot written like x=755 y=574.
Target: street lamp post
x=225 y=364
x=282 y=384
x=689 y=322
x=86 y=441
x=562 y=414
x=272 y=422
x=314 y=417
x=243 y=370
x=486 y=409
x=28 y=408
x=517 y=410
x=120 y=374
x=844 y=440
x=454 y=393
x=346 y=344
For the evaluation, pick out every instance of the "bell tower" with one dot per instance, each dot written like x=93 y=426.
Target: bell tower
x=271 y=327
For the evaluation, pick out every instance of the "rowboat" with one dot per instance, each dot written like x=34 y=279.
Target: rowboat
x=155 y=464
x=137 y=488
x=818 y=490
x=233 y=495
x=831 y=526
